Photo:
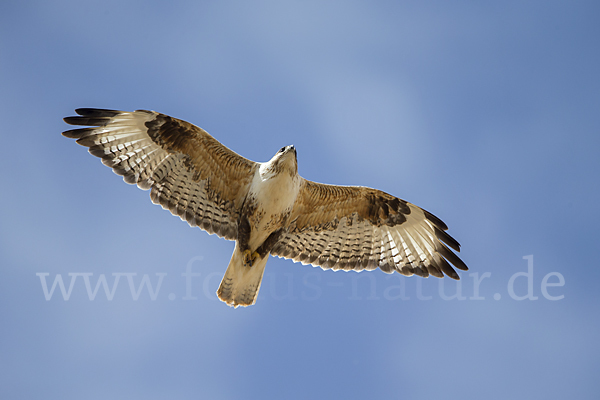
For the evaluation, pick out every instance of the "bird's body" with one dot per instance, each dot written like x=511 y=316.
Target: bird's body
x=274 y=194
x=271 y=197
x=266 y=208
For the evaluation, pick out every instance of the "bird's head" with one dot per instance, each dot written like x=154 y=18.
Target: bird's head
x=283 y=161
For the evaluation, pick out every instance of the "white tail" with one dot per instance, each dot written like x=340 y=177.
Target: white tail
x=240 y=284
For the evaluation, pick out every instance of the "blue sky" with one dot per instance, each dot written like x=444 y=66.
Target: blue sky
x=485 y=114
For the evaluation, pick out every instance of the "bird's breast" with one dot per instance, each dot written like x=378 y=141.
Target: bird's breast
x=273 y=201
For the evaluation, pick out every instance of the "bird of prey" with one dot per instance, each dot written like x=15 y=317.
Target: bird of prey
x=266 y=208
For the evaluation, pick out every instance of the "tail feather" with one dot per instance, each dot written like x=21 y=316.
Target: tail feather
x=241 y=284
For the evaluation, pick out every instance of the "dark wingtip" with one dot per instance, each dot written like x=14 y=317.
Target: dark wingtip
x=436 y=221
x=96 y=112
x=87 y=117
x=448 y=270
x=91 y=116
x=72 y=120
x=72 y=133
x=449 y=240
x=451 y=257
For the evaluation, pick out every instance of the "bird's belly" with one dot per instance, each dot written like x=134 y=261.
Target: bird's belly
x=273 y=199
x=264 y=222
x=272 y=209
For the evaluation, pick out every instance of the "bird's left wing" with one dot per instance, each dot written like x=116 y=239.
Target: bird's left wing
x=356 y=228
x=190 y=173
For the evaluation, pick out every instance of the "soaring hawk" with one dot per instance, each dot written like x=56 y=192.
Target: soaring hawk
x=266 y=208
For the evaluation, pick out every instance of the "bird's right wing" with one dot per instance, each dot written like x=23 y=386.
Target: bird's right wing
x=190 y=173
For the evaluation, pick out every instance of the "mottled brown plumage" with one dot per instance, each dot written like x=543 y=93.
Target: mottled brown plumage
x=265 y=207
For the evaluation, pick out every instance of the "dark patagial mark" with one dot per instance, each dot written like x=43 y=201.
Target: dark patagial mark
x=386 y=211
x=168 y=133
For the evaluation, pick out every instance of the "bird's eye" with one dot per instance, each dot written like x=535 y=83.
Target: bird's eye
x=282 y=150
